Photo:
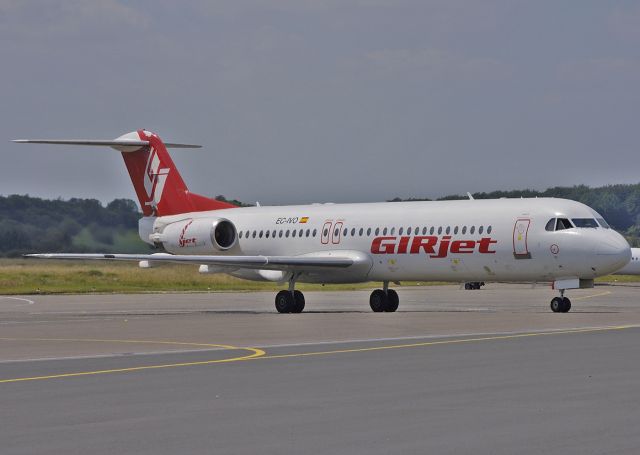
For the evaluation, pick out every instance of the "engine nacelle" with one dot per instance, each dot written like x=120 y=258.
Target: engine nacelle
x=197 y=236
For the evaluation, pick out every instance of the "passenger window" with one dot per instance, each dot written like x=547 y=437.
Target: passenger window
x=301 y=232
x=448 y=230
x=361 y=232
x=400 y=231
x=307 y=233
x=432 y=230
x=489 y=230
x=286 y=234
x=273 y=234
x=464 y=230
x=260 y=235
x=368 y=231
x=325 y=233
x=424 y=230
x=335 y=233
x=480 y=229
x=240 y=234
x=266 y=234
x=315 y=232
x=253 y=234
x=280 y=233
x=440 y=230
x=344 y=233
x=384 y=231
x=472 y=230
x=377 y=230
x=293 y=233
x=353 y=231
x=393 y=231
x=455 y=230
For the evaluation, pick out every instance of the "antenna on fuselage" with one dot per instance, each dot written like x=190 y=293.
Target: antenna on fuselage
x=470 y=196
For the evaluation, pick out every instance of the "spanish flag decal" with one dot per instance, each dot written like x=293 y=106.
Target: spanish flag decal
x=304 y=219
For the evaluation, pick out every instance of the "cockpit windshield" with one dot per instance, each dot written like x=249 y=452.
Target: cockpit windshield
x=584 y=222
x=603 y=223
x=558 y=224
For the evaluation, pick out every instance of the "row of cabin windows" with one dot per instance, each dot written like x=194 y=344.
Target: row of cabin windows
x=360 y=232
x=412 y=231
x=273 y=234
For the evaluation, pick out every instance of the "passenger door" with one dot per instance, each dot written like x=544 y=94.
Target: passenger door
x=520 y=233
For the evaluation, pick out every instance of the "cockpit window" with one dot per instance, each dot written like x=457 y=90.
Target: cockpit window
x=584 y=222
x=563 y=223
x=603 y=223
x=551 y=225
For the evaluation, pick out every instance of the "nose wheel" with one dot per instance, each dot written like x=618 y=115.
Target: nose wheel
x=384 y=300
x=560 y=304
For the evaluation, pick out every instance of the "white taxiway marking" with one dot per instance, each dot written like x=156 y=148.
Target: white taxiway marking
x=26 y=301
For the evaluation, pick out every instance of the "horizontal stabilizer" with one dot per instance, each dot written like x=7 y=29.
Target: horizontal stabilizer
x=113 y=143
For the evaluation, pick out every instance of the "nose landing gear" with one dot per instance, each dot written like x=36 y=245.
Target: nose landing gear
x=384 y=300
x=560 y=304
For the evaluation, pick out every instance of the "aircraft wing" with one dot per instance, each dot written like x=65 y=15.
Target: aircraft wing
x=328 y=260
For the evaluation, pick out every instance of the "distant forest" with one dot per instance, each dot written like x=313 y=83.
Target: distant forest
x=29 y=224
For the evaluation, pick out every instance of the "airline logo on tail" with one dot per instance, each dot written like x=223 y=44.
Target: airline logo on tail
x=154 y=179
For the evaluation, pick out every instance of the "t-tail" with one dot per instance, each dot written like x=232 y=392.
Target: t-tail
x=158 y=184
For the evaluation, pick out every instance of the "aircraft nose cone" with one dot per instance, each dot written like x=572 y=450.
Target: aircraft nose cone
x=615 y=251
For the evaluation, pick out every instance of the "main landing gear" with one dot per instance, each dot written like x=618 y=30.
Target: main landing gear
x=290 y=301
x=384 y=299
x=560 y=304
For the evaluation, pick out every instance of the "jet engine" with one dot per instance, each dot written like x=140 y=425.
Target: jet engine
x=197 y=236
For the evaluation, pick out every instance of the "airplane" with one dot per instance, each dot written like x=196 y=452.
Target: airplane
x=633 y=267
x=533 y=240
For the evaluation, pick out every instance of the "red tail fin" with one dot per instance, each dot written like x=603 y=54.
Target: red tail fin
x=158 y=184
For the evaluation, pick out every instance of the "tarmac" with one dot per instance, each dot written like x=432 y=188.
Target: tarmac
x=453 y=371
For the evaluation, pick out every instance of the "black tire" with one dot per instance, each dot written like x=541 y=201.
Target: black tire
x=467 y=286
x=557 y=304
x=298 y=302
x=392 y=301
x=566 y=305
x=284 y=302
x=378 y=301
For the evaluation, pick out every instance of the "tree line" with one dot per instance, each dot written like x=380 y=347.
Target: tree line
x=29 y=224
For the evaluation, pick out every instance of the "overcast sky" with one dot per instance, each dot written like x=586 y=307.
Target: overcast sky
x=300 y=101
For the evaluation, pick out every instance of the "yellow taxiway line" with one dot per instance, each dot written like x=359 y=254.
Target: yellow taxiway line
x=259 y=354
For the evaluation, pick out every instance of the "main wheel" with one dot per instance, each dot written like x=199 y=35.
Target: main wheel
x=378 y=301
x=557 y=304
x=284 y=302
x=392 y=301
x=467 y=286
x=298 y=302
x=566 y=305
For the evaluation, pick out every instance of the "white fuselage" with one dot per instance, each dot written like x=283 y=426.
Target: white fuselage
x=468 y=240
x=633 y=267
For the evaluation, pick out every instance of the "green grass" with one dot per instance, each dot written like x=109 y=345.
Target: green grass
x=32 y=276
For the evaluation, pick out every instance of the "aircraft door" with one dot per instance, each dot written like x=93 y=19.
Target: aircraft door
x=337 y=232
x=326 y=232
x=520 y=232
